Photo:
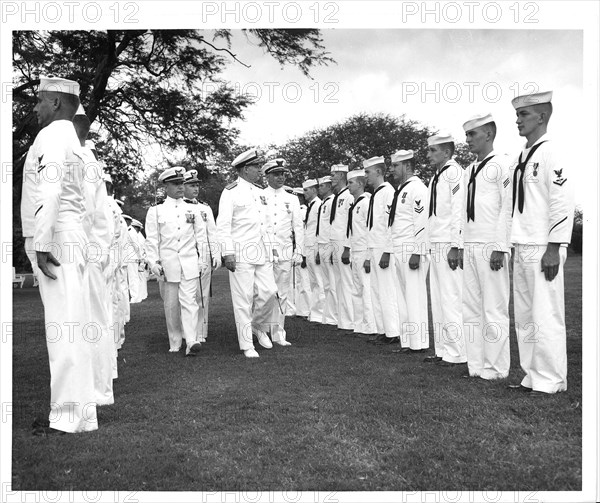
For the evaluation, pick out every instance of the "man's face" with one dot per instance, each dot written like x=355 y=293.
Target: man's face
x=309 y=193
x=371 y=176
x=337 y=179
x=436 y=155
x=398 y=170
x=276 y=179
x=528 y=120
x=324 y=189
x=252 y=172
x=174 y=189
x=476 y=139
x=354 y=186
x=45 y=108
x=191 y=190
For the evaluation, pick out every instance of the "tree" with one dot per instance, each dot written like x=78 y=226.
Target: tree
x=144 y=88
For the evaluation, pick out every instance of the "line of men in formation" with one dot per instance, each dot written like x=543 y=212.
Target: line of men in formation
x=366 y=256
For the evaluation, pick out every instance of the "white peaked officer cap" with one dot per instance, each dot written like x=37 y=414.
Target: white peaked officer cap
x=355 y=173
x=190 y=176
x=374 y=161
x=527 y=100
x=339 y=167
x=274 y=165
x=441 y=137
x=477 y=121
x=80 y=110
x=137 y=223
x=127 y=217
x=172 y=174
x=402 y=155
x=252 y=156
x=312 y=182
x=324 y=179
x=51 y=84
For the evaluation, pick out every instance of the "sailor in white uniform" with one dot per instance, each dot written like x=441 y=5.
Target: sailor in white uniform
x=174 y=234
x=408 y=221
x=486 y=236
x=299 y=302
x=311 y=219
x=287 y=222
x=446 y=206
x=59 y=241
x=542 y=223
x=380 y=263
x=142 y=261
x=342 y=271
x=245 y=238
x=357 y=253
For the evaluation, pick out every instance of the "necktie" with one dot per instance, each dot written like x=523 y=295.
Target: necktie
x=520 y=170
x=370 y=212
x=334 y=206
x=433 y=195
x=349 y=227
x=308 y=212
x=472 y=187
x=395 y=203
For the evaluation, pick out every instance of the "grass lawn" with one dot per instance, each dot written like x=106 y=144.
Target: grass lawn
x=328 y=413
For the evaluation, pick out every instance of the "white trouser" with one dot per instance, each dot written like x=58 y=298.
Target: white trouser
x=485 y=313
x=302 y=303
x=202 y=298
x=123 y=308
x=104 y=355
x=282 y=272
x=30 y=252
x=133 y=280
x=446 y=306
x=181 y=312
x=317 y=289
x=383 y=295
x=69 y=338
x=412 y=299
x=343 y=287
x=540 y=320
x=364 y=319
x=253 y=291
x=113 y=322
x=142 y=287
x=325 y=269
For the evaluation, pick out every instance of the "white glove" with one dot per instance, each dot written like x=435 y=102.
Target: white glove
x=157 y=270
x=215 y=263
x=296 y=259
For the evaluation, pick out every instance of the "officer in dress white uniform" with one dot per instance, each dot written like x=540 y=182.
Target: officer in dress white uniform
x=486 y=236
x=191 y=187
x=287 y=222
x=542 y=222
x=324 y=257
x=246 y=243
x=408 y=222
x=174 y=233
x=59 y=241
x=446 y=206
x=340 y=242
x=356 y=232
x=311 y=219
x=98 y=225
x=380 y=264
x=142 y=260
x=299 y=302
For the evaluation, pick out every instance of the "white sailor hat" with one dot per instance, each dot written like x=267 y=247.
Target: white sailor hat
x=324 y=179
x=80 y=110
x=339 y=167
x=355 y=173
x=137 y=223
x=274 y=165
x=441 y=137
x=311 y=182
x=49 y=83
x=528 y=100
x=477 y=121
x=191 y=176
x=402 y=155
x=172 y=174
x=127 y=217
x=252 y=156
x=373 y=161
x=298 y=191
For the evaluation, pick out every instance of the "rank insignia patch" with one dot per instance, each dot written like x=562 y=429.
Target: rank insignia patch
x=559 y=178
x=418 y=207
x=263 y=200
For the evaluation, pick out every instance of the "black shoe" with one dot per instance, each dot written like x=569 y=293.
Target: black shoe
x=46 y=431
x=377 y=339
x=388 y=340
x=432 y=359
x=518 y=387
x=537 y=394
x=40 y=423
x=402 y=350
x=444 y=363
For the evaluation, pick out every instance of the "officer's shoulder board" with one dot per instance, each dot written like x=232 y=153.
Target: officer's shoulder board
x=259 y=186
x=204 y=203
x=289 y=191
x=232 y=185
